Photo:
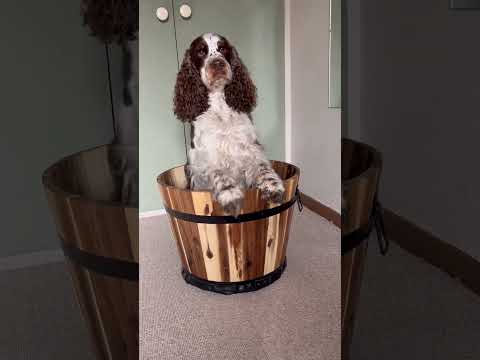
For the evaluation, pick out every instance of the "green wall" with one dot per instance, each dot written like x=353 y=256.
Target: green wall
x=55 y=103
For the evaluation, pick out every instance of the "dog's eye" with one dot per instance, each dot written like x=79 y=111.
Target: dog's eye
x=202 y=52
x=222 y=49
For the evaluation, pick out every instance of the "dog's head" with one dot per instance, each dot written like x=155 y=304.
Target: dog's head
x=211 y=63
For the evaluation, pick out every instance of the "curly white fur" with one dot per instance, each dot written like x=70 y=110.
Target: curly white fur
x=227 y=157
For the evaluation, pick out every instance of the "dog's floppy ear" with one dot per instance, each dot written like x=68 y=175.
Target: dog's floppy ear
x=191 y=95
x=240 y=93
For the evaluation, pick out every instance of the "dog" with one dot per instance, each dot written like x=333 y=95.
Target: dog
x=215 y=94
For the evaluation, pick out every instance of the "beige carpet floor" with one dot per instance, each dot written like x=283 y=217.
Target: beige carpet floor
x=409 y=309
x=40 y=318
x=296 y=318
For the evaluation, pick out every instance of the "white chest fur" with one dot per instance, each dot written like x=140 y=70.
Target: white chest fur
x=223 y=137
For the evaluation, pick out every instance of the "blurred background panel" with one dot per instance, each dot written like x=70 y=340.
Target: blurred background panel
x=56 y=101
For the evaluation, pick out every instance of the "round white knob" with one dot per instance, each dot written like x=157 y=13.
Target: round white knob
x=185 y=11
x=162 y=14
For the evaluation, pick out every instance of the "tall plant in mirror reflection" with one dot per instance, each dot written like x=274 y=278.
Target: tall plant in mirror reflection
x=115 y=24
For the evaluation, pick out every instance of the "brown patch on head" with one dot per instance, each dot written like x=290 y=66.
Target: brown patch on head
x=224 y=48
x=198 y=52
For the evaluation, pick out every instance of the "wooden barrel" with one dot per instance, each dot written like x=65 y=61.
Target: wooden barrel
x=99 y=236
x=223 y=253
x=361 y=168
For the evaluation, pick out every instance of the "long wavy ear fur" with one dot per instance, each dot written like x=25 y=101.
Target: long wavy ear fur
x=191 y=95
x=240 y=93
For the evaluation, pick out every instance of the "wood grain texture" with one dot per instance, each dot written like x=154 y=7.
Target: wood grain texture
x=352 y=272
x=83 y=194
x=228 y=252
x=361 y=168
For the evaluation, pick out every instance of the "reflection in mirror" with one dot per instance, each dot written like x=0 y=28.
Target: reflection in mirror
x=335 y=52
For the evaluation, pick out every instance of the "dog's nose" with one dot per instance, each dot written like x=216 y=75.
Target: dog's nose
x=218 y=64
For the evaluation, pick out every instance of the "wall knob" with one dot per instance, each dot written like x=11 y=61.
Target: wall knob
x=162 y=14
x=185 y=11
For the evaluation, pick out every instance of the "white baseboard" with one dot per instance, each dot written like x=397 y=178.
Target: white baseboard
x=152 y=213
x=31 y=259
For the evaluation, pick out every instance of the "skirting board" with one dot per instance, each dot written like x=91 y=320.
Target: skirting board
x=22 y=261
x=435 y=251
x=322 y=210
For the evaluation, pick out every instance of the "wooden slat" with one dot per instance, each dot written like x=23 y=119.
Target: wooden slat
x=103 y=230
x=271 y=244
x=182 y=252
x=283 y=253
x=85 y=299
x=131 y=217
x=361 y=167
x=223 y=248
x=235 y=253
x=188 y=234
x=284 y=218
x=208 y=235
x=352 y=272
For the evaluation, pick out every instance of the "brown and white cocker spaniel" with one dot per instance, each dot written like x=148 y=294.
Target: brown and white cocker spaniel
x=215 y=93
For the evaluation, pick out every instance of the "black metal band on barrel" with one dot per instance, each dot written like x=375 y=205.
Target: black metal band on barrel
x=257 y=215
x=356 y=237
x=116 y=268
x=229 y=288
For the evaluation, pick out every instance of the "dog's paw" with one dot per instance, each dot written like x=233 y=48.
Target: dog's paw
x=231 y=200
x=272 y=190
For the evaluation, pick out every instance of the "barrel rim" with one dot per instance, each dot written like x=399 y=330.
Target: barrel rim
x=374 y=168
x=163 y=184
x=51 y=186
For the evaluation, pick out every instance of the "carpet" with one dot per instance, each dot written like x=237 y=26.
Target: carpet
x=408 y=309
x=40 y=316
x=295 y=318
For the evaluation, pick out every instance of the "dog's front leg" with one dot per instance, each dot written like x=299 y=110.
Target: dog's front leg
x=227 y=192
x=269 y=183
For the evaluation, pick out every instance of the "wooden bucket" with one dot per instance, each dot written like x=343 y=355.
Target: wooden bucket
x=361 y=168
x=99 y=236
x=222 y=253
